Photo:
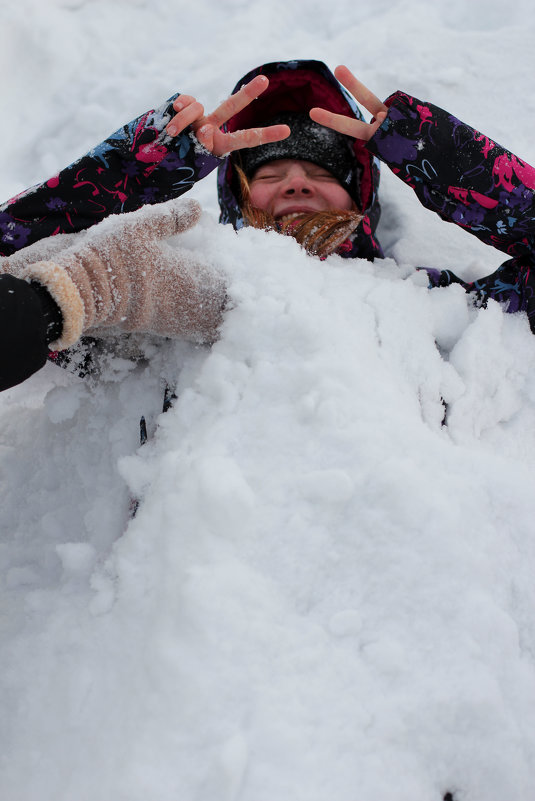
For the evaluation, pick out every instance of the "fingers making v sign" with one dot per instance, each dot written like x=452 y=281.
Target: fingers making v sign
x=349 y=125
x=207 y=128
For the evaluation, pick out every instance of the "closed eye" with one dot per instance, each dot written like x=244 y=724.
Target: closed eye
x=321 y=175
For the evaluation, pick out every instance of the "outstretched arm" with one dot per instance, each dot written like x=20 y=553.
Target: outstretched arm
x=120 y=276
x=139 y=164
x=149 y=160
x=461 y=175
x=456 y=171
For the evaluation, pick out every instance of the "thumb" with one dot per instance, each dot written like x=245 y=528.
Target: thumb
x=186 y=214
x=164 y=220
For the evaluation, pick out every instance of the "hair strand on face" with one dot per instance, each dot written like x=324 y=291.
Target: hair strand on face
x=320 y=233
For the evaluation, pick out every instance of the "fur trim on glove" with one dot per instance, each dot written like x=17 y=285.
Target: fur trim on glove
x=65 y=292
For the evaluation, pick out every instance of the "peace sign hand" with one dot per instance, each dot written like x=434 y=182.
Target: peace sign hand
x=349 y=125
x=207 y=128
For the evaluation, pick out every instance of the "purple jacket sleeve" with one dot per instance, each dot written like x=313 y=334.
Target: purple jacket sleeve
x=460 y=174
x=137 y=165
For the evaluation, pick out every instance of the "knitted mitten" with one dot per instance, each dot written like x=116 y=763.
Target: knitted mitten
x=121 y=275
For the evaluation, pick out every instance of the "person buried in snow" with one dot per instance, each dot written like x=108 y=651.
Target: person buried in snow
x=295 y=155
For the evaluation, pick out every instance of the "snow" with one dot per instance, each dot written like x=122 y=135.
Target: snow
x=325 y=592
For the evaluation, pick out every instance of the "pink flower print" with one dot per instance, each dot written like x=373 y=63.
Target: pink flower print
x=525 y=172
x=425 y=114
x=459 y=194
x=483 y=200
x=468 y=196
x=488 y=144
x=506 y=168
x=151 y=153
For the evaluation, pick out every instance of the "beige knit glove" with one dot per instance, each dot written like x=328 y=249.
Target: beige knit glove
x=121 y=276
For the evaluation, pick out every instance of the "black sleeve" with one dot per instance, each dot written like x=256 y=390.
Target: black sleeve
x=29 y=320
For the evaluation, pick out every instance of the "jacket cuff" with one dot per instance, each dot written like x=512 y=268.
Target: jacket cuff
x=398 y=139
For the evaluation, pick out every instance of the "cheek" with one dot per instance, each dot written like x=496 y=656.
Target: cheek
x=260 y=195
x=338 y=197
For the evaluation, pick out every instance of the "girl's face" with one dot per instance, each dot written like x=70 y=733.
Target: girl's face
x=290 y=187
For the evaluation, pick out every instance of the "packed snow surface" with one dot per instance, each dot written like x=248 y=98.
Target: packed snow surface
x=328 y=589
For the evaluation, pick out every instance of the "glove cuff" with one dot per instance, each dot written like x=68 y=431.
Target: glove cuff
x=65 y=292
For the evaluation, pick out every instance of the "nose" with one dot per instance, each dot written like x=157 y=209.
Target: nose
x=297 y=184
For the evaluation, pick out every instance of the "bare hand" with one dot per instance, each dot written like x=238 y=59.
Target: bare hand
x=349 y=125
x=207 y=129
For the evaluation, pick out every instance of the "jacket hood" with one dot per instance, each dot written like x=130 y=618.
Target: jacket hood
x=298 y=86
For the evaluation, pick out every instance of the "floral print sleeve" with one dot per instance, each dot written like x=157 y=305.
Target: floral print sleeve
x=137 y=165
x=466 y=178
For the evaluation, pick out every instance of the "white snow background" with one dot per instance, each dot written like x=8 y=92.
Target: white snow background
x=325 y=593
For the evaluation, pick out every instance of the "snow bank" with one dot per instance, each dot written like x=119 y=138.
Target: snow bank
x=323 y=588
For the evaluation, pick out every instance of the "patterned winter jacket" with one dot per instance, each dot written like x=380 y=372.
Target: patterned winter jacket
x=455 y=171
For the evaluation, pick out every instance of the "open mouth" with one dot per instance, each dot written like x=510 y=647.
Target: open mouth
x=285 y=218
